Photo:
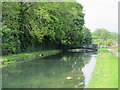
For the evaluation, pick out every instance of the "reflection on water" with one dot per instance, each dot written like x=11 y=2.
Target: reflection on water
x=88 y=69
x=51 y=72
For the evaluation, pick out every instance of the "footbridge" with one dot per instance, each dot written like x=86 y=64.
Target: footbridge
x=85 y=46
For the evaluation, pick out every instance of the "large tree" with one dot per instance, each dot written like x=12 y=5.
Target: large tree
x=43 y=24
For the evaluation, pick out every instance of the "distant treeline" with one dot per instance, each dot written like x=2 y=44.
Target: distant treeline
x=32 y=26
x=104 y=37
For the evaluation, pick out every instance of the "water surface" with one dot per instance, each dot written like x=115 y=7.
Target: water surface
x=51 y=72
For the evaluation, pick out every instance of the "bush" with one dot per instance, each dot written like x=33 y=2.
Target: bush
x=10 y=41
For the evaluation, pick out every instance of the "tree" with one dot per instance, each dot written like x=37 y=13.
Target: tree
x=109 y=42
x=10 y=40
x=40 y=24
x=87 y=36
x=104 y=37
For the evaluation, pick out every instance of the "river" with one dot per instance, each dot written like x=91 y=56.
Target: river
x=63 y=70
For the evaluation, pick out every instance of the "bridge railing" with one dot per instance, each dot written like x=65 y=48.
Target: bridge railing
x=86 y=46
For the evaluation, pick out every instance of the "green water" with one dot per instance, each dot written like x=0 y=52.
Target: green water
x=51 y=72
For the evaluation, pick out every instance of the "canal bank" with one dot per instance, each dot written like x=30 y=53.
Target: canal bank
x=27 y=56
x=105 y=74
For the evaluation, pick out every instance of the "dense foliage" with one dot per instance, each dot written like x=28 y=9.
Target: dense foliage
x=87 y=36
x=104 y=37
x=30 y=26
x=10 y=40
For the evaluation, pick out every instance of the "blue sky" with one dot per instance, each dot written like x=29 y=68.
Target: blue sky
x=101 y=14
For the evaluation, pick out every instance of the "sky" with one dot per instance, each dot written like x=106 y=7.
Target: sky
x=101 y=14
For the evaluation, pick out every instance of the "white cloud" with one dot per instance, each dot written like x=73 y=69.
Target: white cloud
x=101 y=14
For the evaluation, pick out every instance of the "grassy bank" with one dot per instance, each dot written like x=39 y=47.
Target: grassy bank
x=27 y=56
x=119 y=72
x=105 y=74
